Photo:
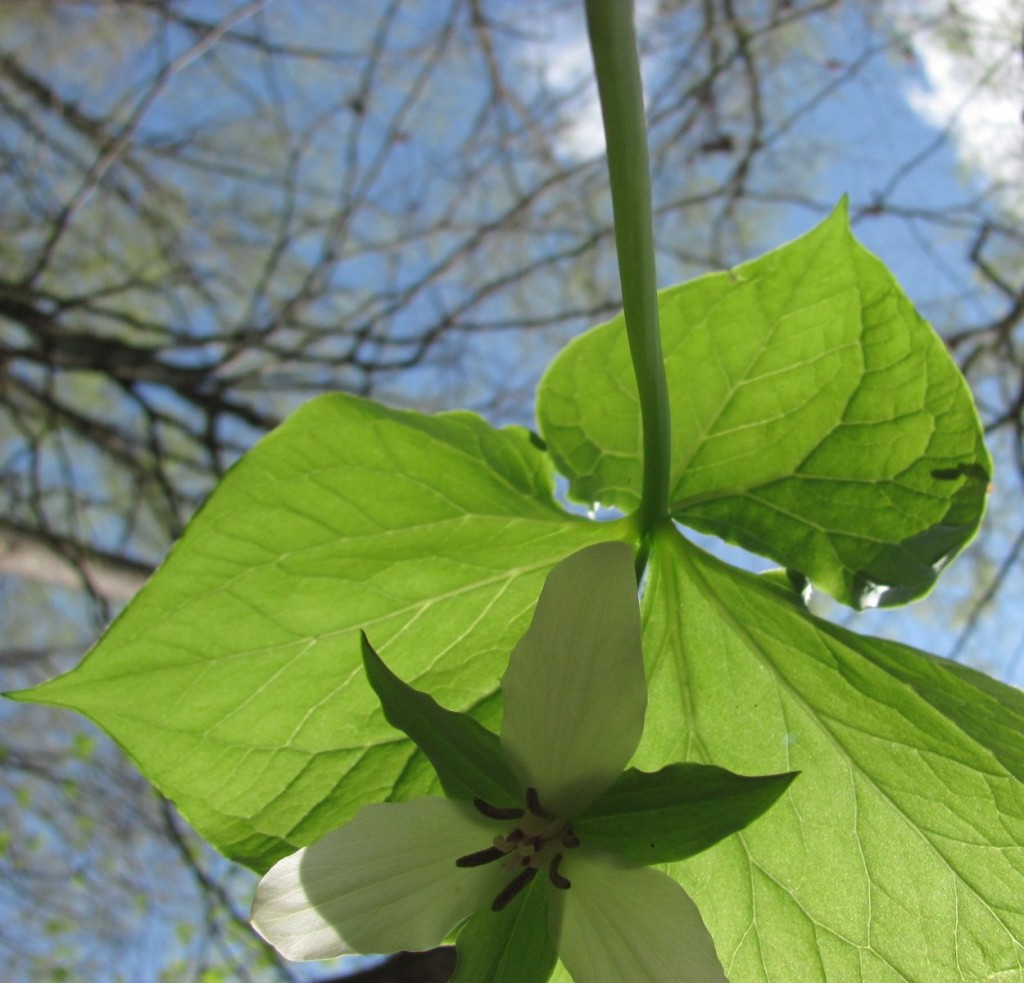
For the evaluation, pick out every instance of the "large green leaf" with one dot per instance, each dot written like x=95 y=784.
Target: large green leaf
x=816 y=419
x=898 y=854
x=234 y=678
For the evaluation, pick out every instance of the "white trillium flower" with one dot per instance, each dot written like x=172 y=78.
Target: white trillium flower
x=405 y=875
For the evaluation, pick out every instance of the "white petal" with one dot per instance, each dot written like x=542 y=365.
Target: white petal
x=574 y=693
x=386 y=881
x=620 y=922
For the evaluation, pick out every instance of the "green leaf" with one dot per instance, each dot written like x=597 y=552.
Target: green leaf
x=671 y=814
x=816 y=419
x=899 y=852
x=791 y=584
x=466 y=755
x=509 y=946
x=234 y=679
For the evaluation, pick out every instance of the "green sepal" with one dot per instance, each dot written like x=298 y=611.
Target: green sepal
x=508 y=946
x=466 y=755
x=661 y=816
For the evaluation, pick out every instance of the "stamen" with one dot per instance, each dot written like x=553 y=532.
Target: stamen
x=533 y=804
x=480 y=858
x=569 y=839
x=513 y=887
x=559 y=880
x=496 y=812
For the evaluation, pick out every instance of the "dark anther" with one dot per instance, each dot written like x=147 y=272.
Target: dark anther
x=569 y=839
x=496 y=812
x=559 y=880
x=513 y=887
x=480 y=858
x=533 y=804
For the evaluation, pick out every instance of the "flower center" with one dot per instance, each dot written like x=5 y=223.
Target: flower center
x=538 y=841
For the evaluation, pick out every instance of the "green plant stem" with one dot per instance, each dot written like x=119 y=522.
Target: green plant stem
x=617 y=66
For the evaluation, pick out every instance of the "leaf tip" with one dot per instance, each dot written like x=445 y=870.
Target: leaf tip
x=38 y=694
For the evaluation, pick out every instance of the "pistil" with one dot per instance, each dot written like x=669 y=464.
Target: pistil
x=531 y=845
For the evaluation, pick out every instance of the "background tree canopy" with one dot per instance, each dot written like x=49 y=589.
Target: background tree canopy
x=213 y=211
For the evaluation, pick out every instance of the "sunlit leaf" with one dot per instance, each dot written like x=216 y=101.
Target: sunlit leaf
x=816 y=419
x=896 y=854
x=234 y=679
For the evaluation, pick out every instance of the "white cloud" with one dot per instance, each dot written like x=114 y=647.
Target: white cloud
x=566 y=66
x=970 y=56
x=974 y=85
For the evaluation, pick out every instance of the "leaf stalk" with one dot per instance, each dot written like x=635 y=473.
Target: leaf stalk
x=617 y=67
